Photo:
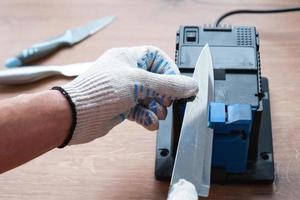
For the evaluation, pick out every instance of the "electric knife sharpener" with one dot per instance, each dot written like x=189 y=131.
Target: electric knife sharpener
x=240 y=115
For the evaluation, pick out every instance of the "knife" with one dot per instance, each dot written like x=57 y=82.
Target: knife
x=69 y=38
x=193 y=157
x=31 y=74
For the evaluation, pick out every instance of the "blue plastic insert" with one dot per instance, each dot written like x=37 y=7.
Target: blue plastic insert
x=232 y=128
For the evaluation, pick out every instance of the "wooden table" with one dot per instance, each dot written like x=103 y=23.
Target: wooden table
x=121 y=164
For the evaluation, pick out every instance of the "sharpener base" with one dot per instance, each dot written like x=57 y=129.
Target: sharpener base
x=260 y=170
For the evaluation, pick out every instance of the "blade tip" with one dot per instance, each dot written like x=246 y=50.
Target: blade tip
x=109 y=17
x=203 y=191
x=206 y=46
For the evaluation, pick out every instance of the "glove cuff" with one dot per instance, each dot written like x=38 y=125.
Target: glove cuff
x=92 y=100
x=74 y=116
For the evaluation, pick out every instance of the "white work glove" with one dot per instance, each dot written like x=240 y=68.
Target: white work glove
x=136 y=83
x=183 y=190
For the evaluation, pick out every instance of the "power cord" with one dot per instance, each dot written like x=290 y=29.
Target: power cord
x=255 y=11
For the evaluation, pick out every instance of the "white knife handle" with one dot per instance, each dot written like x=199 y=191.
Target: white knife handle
x=26 y=75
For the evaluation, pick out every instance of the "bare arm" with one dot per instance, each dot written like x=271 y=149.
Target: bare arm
x=31 y=125
x=137 y=83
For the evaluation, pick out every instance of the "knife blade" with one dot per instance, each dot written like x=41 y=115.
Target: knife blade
x=193 y=157
x=31 y=74
x=69 y=38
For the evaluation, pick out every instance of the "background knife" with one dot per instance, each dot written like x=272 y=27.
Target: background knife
x=193 y=157
x=31 y=74
x=69 y=38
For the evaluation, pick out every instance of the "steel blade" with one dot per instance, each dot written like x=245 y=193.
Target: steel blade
x=77 y=34
x=193 y=158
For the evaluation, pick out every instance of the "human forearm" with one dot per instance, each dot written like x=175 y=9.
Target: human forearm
x=31 y=125
x=135 y=83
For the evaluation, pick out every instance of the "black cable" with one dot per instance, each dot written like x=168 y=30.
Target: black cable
x=256 y=11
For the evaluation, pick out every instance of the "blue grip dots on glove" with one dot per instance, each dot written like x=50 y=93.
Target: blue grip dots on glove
x=137 y=83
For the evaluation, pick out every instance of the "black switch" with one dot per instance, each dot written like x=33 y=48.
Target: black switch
x=191 y=36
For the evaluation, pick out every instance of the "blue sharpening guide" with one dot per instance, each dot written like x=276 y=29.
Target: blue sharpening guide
x=232 y=128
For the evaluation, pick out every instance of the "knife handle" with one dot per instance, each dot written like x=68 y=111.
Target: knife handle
x=26 y=75
x=36 y=52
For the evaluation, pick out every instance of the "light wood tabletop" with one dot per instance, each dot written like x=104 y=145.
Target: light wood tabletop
x=121 y=164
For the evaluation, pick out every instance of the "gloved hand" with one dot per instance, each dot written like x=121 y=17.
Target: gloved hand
x=136 y=83
x=183 y=189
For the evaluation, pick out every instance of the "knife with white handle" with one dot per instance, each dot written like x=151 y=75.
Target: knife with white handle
x=31 y=74
x=193 y=157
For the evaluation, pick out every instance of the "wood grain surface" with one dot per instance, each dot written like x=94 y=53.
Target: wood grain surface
x=121 y=164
